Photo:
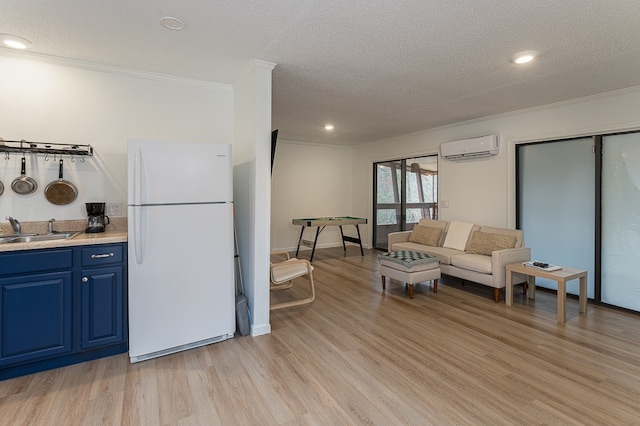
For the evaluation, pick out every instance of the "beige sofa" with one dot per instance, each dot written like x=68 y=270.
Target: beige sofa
x=467 y=251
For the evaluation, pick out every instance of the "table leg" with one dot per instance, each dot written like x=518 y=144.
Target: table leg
x=314 y=243
x=562 y=301
x=583 y=294
x=300 y=240
x=354 y=240
x=359 y=240
x=532 y=286
x=344 y=246
x=508 y=297
x=384 y=282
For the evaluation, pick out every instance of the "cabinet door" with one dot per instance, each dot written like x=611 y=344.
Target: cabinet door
x=36 y=316
x=102 y=306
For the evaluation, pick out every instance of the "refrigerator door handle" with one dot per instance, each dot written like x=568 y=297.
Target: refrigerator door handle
x=137 y=234
x=137 y=182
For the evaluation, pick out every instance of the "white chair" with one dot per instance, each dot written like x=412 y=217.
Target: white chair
x=282 y=276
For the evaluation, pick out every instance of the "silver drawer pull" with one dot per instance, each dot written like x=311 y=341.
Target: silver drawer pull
x=101 y=256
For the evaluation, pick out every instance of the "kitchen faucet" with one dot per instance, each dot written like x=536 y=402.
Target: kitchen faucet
x=17 y=228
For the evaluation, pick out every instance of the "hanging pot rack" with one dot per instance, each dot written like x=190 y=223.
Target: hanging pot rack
x=25 y=147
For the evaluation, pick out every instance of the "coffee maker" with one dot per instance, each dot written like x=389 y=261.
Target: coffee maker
x=96 y=219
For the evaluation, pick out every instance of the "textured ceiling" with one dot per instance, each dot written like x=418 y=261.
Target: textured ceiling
x=374 y=68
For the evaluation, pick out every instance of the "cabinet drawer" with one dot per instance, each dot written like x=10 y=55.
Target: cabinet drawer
x=35 y=260
x=102 y=254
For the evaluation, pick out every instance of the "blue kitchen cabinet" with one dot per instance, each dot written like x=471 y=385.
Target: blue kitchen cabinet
x=36 y=316
x=102 y=292
x=36 y=298
x=61 y=307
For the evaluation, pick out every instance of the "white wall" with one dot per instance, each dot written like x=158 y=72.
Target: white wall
x=252 y=187
x=57 y=101
x=483 y=190
x=309 y=181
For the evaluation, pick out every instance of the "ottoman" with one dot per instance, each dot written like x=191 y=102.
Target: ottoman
x=410 y=267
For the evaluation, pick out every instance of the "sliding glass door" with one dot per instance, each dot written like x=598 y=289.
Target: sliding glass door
x=556 y=205
x=387 y=192
x=405 y=191
x=621 y=220
x=579 y=205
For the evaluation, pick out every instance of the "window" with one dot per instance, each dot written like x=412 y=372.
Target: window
x=405 y=191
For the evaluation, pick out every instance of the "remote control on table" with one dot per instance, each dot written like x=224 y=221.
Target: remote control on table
x=541 y=264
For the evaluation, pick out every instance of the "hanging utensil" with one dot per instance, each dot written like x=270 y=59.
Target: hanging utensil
x=24 y=184
x=6 y=157
x=61 y=192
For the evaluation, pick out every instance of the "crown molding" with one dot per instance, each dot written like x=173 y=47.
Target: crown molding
x=109 y=69
x=252 y=66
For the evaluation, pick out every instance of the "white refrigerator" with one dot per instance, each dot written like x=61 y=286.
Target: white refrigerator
x=181 y=252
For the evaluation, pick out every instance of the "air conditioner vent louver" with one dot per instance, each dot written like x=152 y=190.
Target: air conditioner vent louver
x=483 y=146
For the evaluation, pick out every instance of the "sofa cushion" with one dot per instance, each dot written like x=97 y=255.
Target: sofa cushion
x=433 y=222
x=473 y=262
x=427 y=235
x=443 y=254
x=457 y=235
x=486 y=243
x=442 y=224
x=517 y=233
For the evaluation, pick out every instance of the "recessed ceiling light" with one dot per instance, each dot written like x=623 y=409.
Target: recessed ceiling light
x=523 y=57
x=328 y=126
x=171 y=23
x=14 y=42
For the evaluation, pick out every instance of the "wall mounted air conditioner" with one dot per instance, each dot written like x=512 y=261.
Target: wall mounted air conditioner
x=483 y=146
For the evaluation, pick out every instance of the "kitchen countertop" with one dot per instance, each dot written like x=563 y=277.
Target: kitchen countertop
x=116 y=233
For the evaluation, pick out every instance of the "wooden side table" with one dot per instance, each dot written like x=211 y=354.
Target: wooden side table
x=561 y=276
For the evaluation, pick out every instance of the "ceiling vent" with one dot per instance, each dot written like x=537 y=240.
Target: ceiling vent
x=467 y=149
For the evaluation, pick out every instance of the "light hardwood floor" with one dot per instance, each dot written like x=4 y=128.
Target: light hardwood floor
x=360 y=356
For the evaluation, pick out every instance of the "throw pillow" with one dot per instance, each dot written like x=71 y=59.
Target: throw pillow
x=457 y=235
x=427 y=235
x=486 y=243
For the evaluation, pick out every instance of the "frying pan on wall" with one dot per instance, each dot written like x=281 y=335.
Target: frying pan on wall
x=61 y=192
x=24 y=184
x=1 y=187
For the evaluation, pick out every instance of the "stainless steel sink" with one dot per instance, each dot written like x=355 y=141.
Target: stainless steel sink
x=7 y=238
x=32 y=238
